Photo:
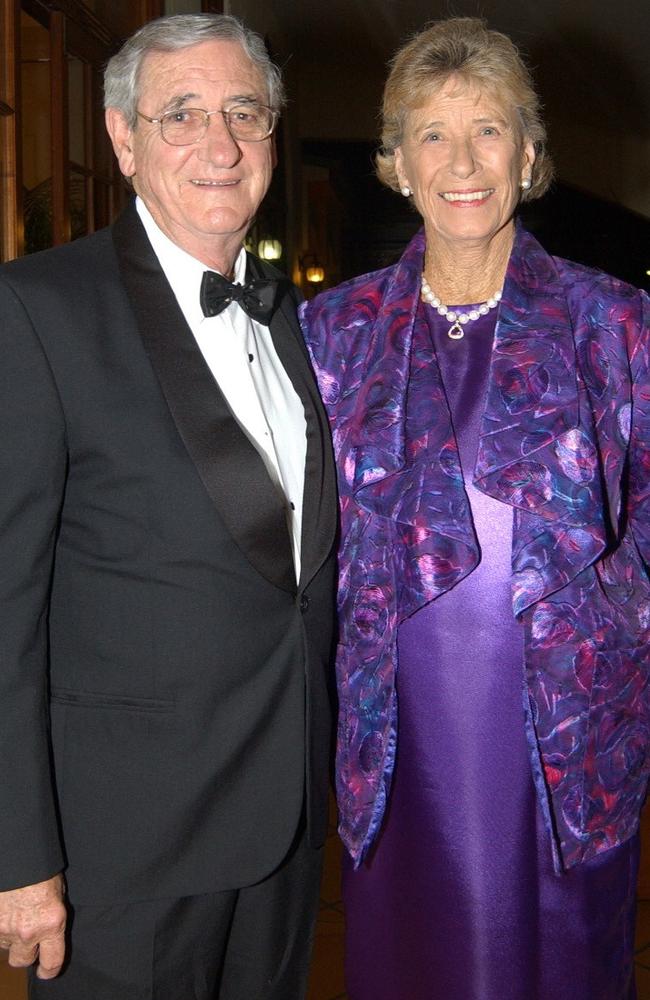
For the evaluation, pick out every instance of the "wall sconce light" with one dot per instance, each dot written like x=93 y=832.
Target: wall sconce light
x=269 y=248
x=314 y=270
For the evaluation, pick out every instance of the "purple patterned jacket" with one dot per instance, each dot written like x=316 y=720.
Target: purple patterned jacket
x=565 y=440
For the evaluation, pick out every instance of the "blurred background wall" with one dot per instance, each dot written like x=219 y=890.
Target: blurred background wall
x=325 y=208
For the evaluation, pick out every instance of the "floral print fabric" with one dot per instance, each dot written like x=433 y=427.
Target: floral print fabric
x=565 y=441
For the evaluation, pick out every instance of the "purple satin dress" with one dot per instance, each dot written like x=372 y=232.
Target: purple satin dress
x=459 y=900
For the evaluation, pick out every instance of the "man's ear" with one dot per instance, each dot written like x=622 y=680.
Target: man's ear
x=121 y=135
x=274 y=151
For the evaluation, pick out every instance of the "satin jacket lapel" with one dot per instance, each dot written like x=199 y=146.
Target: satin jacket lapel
x=537 y=449
x=537 y=443
x=230 y=467
x=399 y=439
x=319 y=496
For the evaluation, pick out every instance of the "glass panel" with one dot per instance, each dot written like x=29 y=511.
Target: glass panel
x=36 y=133
x=102 y=151
x=78 y=203
x=103 y=158
x=76 y=112
x=102 y=204
x=121 y=19
x=79 y=154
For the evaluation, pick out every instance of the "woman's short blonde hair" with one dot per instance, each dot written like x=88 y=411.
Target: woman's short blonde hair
x=463 y=47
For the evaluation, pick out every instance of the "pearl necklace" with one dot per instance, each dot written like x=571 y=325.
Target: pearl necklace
x=458 y=320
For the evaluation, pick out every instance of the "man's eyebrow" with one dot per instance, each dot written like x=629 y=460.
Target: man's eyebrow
x=177 y=102
x=174 y=103
x=244 y=99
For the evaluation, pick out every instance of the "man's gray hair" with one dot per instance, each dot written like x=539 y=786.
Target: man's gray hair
x=179 y=31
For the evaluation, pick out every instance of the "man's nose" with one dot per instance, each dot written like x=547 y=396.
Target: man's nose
x=218 y=144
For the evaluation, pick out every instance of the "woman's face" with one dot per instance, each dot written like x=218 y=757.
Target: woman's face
x=463 y=159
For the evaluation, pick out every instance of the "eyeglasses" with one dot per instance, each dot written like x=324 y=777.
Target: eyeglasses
x=247 y=122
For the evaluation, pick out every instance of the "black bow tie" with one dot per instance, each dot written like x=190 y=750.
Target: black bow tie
x=256 y=297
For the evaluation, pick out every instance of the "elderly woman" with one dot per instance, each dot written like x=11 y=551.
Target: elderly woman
x=491 y=415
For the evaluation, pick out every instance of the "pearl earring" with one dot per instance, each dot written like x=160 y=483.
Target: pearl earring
x=406 y=191
x=526 y=184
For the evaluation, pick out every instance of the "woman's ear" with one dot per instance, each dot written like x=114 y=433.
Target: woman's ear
x=528 y=157
x=402 y=179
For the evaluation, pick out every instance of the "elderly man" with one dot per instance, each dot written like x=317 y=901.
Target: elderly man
x=167 y=519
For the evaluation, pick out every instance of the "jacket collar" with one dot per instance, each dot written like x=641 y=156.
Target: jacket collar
x=532 y=396
x=228 y=464
x=537 y=447
x=536 y=450
x=319 y=509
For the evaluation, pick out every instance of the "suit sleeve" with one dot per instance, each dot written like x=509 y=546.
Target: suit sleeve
x=32 y=481
x=639 y=494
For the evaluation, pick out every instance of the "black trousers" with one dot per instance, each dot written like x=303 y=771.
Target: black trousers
x=245 y=944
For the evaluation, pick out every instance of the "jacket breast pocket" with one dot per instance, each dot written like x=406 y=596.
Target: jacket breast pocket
x=123 y=703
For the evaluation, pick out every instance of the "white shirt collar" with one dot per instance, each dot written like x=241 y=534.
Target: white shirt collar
x=183 y=272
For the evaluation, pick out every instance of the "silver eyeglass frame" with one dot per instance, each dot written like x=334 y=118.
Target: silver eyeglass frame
x=208 y=115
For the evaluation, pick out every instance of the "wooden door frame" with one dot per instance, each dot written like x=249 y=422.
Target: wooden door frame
x=11 y=200
x=75 y=30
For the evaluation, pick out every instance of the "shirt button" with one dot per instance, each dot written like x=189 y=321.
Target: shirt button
x=304 y=603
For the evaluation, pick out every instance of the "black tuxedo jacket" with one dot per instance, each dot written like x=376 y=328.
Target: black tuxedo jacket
x=163 y=678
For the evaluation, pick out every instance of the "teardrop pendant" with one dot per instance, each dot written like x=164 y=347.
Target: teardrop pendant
x=461 y=317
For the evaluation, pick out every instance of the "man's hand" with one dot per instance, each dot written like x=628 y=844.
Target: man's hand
x=32 y=926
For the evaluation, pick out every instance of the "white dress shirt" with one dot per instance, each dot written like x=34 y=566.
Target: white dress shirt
x=247 y=369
